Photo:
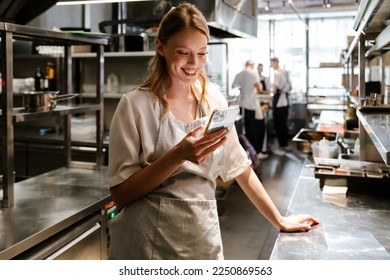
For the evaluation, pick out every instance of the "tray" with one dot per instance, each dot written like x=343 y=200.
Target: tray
x=309 y=135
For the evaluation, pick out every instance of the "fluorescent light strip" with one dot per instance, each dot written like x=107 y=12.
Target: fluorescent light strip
x=63 y=3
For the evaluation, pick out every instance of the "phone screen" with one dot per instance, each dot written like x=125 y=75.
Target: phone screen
x=222 y=118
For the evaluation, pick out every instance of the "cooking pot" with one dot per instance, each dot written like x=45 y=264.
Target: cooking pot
x=42 y=101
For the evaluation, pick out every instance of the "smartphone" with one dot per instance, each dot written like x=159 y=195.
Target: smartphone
x=222 y=118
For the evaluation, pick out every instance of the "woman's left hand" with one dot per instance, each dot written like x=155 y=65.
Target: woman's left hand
x=301 y=222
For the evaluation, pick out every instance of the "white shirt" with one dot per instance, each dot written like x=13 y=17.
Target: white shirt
x=280 y=80
x=134 y=131
x=246 y=80
x=267 y=82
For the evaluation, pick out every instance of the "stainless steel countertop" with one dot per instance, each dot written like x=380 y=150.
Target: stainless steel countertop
x=353 y=228
x=49 y=203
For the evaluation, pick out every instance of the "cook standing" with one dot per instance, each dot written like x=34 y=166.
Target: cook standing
x=162 y=168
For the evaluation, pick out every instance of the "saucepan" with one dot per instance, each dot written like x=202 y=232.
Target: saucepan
x=42 y=101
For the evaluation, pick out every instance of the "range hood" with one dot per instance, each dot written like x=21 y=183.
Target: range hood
x=23 y=11
x=230 y=18
x=226 y=18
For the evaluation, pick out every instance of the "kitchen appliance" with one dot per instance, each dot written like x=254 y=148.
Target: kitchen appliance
x=134 y=25
x=226 y=18
x=359 y=176
x=365 y=177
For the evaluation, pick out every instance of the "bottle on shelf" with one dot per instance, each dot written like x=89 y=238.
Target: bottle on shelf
x=50 y=83
x=39 y=80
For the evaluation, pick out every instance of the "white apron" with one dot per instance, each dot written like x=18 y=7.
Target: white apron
x=179 y=219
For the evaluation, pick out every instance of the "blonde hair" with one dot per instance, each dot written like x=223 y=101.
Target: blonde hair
x=176 y=20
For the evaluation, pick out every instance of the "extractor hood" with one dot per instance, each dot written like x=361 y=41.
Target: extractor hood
x=230 y=18
x=23 y=11
x=226 y=18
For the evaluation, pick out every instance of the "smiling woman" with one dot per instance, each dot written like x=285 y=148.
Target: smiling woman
x=163 y=167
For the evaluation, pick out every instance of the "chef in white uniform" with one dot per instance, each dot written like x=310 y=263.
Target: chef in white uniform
x=162 y=168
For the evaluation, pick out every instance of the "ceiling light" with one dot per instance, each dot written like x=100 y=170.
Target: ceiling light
x=327 y=4
x=267 y=7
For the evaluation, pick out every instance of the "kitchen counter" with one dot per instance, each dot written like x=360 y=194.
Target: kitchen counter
x=48 y=204
x=356 y=227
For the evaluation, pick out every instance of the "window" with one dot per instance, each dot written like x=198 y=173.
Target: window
x=327 y=38
x=290 y=47
x=300 y=51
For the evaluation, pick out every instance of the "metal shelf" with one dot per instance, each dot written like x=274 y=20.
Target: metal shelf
x=89 y=95
x=50 y=36
x=321 y=107
x=373 y=29
x=116 y=54
x=20 y=115
x=382 y=44
x=371 y=19
x=10 y=115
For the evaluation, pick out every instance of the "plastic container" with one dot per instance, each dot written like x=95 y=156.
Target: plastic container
x=112 y=83
x=323 y=150
x=83 y=126
x=356 y=147
x=334 y=149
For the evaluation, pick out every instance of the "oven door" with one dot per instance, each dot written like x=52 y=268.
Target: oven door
x=84 y=247
x=81 y=241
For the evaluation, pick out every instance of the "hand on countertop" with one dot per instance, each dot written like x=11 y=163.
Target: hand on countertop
x=300 y=222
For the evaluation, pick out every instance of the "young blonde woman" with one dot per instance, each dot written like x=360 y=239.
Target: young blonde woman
x=162 y=169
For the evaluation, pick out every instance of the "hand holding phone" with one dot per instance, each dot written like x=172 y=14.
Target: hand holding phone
x=222 y=118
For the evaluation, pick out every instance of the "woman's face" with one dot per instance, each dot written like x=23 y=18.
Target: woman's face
x=185 y=55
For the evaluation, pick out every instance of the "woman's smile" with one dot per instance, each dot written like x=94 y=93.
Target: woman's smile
x=190 y=72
